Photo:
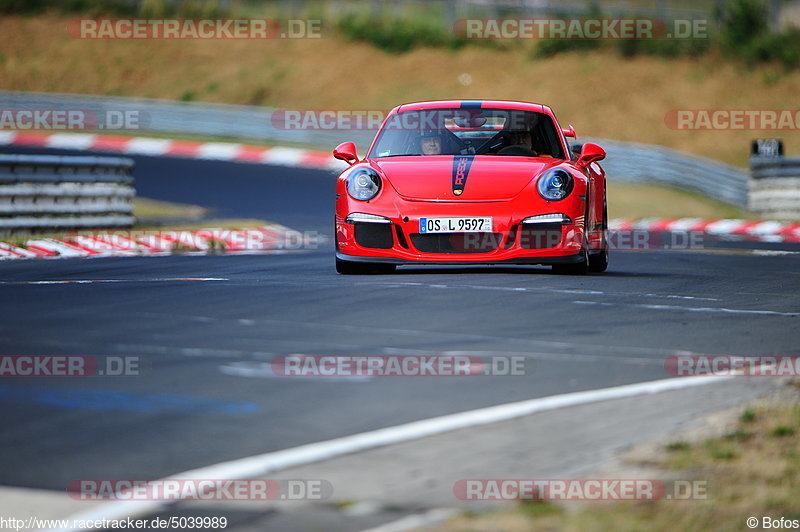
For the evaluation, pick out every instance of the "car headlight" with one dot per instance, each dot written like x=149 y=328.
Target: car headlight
x=555 y=184
x=363 y=184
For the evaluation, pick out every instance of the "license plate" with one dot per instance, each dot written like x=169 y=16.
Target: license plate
x=471 y=224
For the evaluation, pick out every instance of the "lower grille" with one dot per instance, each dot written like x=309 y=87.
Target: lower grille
x=456 y=242
x=539 y=236
x=375 y=236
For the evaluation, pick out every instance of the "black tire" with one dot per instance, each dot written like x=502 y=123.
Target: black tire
x=345 y=267
x=598 y=262
x=576 y=268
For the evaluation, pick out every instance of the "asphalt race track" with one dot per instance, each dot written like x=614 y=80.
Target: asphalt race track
x=203 y=396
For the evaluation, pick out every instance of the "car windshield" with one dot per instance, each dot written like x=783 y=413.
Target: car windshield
x=456 y=131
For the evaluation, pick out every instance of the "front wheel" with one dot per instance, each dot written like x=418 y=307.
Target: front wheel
x=345 y=267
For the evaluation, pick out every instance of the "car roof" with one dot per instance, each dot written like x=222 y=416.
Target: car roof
x=473 y=104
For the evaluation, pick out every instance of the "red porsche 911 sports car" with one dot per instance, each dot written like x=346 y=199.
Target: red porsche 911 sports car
x=471 y=182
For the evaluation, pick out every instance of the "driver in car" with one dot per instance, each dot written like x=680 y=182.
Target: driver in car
x=518 y=142
x=521 y=138
x=431 y=143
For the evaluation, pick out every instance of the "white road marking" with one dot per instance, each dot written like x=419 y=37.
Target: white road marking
x=537 y=289
x=692 y=309
x=671 y=296
x=773 y=252
x=264 y=464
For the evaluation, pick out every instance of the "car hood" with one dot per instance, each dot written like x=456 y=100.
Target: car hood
x=488 y=177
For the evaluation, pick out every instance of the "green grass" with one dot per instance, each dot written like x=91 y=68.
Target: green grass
x=753 y=470
x=748 y=416
x=782 y=430
x=149 y=211
x=678 y=446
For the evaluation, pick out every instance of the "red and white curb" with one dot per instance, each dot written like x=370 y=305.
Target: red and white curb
x=219 y=151
x=272 y=238
x=277 y=238
x=764 y=231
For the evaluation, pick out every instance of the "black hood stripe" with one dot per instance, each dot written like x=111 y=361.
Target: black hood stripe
x=461 y=167
x=471 y=104
x=463 y=163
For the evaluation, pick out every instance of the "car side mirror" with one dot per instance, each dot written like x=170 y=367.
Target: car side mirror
x=569 y=132
x=591 y=153
x=346 y=151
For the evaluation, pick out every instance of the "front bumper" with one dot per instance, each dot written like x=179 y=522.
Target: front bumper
x=396 y=239
x=565 y=259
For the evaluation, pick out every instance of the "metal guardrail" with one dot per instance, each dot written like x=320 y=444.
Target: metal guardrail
x=40 y=192
x=626 y=161
x=180 y=118
x=634 y=162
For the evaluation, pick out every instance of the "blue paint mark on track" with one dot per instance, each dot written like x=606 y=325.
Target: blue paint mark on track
x=122 y=401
